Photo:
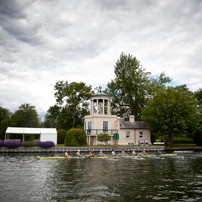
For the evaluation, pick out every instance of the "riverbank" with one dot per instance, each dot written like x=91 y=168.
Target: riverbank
x=62 y=149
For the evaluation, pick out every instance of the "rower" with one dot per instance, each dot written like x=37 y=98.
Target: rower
x=144 y=152
x=101 y=153
x=78 y=153
x=134 y=153
x=124 y=153
x=90 y=153
x=159 y=152
x=113 y=153
x=66 y=154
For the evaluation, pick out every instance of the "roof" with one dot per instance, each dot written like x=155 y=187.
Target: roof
x=100 y=94
x=133 y=125
x=19 y=130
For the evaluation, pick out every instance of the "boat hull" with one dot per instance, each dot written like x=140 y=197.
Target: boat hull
x=104 y=157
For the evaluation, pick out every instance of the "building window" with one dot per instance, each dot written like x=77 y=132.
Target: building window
x=105 y=126
x=127 y=134
x=140 y=134
x=89 y=125
x=84 y=125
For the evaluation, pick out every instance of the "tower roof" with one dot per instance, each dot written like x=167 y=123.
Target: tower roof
x=100 y=94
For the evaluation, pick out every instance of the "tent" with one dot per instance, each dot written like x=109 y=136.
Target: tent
x=46 y=134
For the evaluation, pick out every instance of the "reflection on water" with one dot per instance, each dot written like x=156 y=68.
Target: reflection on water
x=25 y=178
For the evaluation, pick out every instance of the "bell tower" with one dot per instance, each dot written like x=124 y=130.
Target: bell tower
x=100 y=104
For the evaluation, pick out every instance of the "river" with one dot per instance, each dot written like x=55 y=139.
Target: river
x=24 y=178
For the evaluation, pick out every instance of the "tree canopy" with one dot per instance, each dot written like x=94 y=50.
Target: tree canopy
x=198 y=95
x=73 y=95
x=26 y=116
x=131 y=87
x=5 y=121
x=172 y=111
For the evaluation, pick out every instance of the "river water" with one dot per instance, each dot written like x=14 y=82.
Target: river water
x=24 y=178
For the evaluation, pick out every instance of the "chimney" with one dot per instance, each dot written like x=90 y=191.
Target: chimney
x=132 y=118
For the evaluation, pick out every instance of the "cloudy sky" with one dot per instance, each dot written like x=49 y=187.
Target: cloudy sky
x=45 y=41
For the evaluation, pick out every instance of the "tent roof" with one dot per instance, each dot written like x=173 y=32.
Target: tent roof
x=18 y=130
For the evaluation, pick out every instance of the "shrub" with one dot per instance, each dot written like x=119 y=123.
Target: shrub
x=12 y=144
x=103 y=137
x=198 y=138
x=46 y=144
x=29 y=137
x=1 y=144
x=61 y=136
x=28 y=144
x=75 y=137
x=182 y=140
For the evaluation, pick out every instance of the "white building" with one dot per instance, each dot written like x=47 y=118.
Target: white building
x=122 y=132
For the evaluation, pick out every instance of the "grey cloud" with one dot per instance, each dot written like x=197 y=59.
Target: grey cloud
x=43 y=42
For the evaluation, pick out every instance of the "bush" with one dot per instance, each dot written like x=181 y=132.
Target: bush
x=75 y=137
x=1 y=144
x=103 y=137
x=198 y=138
x=182 y=140
x=61 y=136
x=46 y=144
x=12 y=144
x=29 y=137
x=29 y=144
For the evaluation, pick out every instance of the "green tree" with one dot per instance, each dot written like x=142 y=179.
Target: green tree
x=51 y=116
x=5 y=121
x=26 y=116
x=131 y=87
x=103 y=137
x=172 y=111
x=198 y=95
x=73 y=95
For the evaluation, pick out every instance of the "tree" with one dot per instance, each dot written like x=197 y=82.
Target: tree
x=172 y=111
x=26 y=116
x=103 y=137
x=51 y=116
x=198 y=95
x=73 y=94
x=5 y=121
x=198 y=138
x=131 y=87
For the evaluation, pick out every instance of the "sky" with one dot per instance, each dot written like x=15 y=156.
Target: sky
x=46 y=41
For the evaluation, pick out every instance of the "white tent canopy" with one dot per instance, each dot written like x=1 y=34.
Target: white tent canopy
x=46 y=134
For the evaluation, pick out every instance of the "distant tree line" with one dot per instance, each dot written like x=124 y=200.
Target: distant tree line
x=170 y=111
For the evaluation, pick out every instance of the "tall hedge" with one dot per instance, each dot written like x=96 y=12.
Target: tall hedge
x=61 y=136
x=75 y=137
x=198 y=138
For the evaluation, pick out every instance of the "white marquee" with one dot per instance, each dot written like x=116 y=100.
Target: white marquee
x=46 y=134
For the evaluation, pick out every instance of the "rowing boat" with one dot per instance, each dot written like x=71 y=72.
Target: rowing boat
x=62 y=157
x=103 y=157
